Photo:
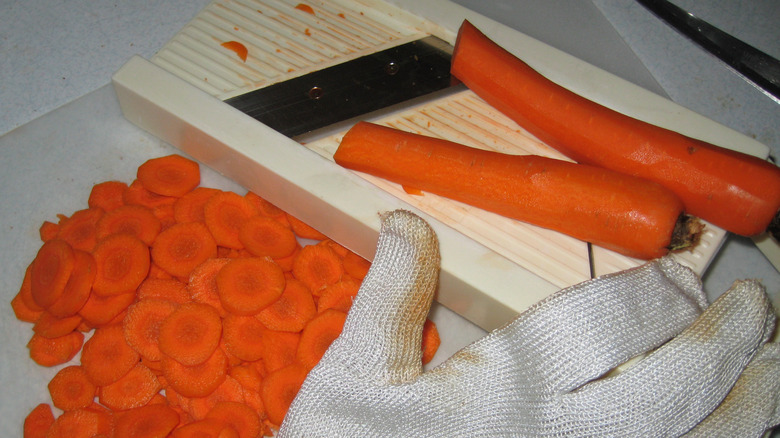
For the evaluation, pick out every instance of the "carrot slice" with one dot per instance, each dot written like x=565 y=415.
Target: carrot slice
x=238 y=48
x=630 y=215
x=191 y=333
x=122 y=263
x=279 y=349
x=292 y=310
x=141 y=326
x=80 y=423
x=150 y=421
x=107 y=356
x=22 y=311
x=71 y=389
x=189 y=208
x=48 y=230
x=205 y=428
x=264 y=236
x=38 y=422
x=280 y=388
x=228 y=390
x=317 y=336
x=248 y=285
x=49 y=352
x=169 y=289
x=243 y=337
x=182 y=247
x=80 y=229
x=224 y=214
x=286 y=263
x=107 y=195
x=430 y=341
x=199 y=380
x=732 y=190
x=50 y=271
x=304 y=230
x=355 y=266
x=266 y=208
x=100 y=311
x=134 y=389
x=202 y=286
x=136 y=220
x=317 y=266
x=171 y=175
x=78 y=288
x=137 y=194
x=239 y=416
x=338 y=296
x=50 y=326
x=247 y=375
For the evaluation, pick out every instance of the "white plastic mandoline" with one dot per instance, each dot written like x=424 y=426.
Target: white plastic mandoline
x=492 y=267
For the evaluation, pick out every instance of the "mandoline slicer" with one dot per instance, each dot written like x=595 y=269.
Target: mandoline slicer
x=492 y=267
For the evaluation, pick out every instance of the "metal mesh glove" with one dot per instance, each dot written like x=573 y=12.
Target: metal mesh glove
x=544 y=373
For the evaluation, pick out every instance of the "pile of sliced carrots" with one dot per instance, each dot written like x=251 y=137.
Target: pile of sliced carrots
x=206 y=311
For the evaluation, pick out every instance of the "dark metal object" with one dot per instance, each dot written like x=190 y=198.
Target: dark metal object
x=351 y=89
x=753 y=64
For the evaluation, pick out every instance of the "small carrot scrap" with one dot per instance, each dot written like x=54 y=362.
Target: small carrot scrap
x=189 y=207
x=355 y=266
x=280 y=388
x=49 y=352
x=263 y=236
x=239 y=416
x=430 y=341
x=338 y=295
x=78 y=288
x=239 y=48
x=38 y=422
x=80 y=229
x=107 y=356
x=199 y=380
x=248 y=285
x=150 y=421
x=317 y=266
x=133 y=390
x=317 y=336
x=141 y=326
x=202 y=285
x=304 y=230
x=191 y=333
x=107 y=195
x=224 y=214
x=50 y=326
x=170 y=175
x=243 y=336
x=122 y=262
x=292 y=310
x=71 y=389
x=50 y=271
x=305 y=8
x=170 y=289
x=136 y=220
x=99 y=311
x=182 y=247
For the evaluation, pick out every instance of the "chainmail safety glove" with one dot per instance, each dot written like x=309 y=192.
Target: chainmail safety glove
x=544 y=373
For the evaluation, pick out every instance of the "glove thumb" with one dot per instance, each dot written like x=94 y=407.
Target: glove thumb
x=382 y=335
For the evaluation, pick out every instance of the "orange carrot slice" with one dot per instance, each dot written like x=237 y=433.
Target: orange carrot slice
x=150 y=421
x=202 y=286
x=80 y=229
x=141 y=326
x=238 y=48
x=224 y=214
x=107 y=356
x=134 y=389
x=263 y=236
x=243 y=337
x=107 y=195
x=317 y=266
x=229 y=390
x=48 y=230
x=189 y=208
x=137 y=194
x=71 y=389
x=338 y=296
x=49 y=352
x=80 y=423
x=317 y=336
x=122 y=264
x=182 y=247
x=38 y=422
x=292 y=310
x=50 y=326
x=22 y=311
x=248 y=285
x=171 y=175
x=239 y=416
x=136 y=220
x=279 y=349
x=199 y=380
x=50 y=271
x=280 y=388
x=169 y=289
x=355 y=266
x=304 y=230
x=205 y=428
x=430 y=341
x=191 y=333
x=100 y=311
x=78 y=288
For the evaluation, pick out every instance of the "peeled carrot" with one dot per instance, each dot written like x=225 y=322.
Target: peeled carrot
x=107 y=195
x=224 y=214
x=630 y=215
x=133 y=390
x=264 y=236
x=737 y=192
x=38 y=422
x=292 y=310
x=78 y=288
x=136 y=220
x=239 y=416
x=280 y=388
x=189 y=207
x=191 y=333
x=248 y=285
x=71 y=389
x=317 y=266
x=182 y=247
x=50 y=271
x=141 y=325
x=238 y=48
x=199 y=380
x=171 y=175
x=150 y=421
x=80 y=229
x=317 y=336
x=122 y=263
x=107 y=356
x=49 y=352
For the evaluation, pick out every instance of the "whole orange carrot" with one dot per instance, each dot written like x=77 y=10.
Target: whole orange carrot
x=735 y=191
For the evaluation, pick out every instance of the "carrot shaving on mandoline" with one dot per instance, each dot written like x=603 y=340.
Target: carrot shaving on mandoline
x=80 y=229
x=100 y=311
x=243 y=336
x=38 y=421
x=49 y=352
x=107 y=195
x=264 y=236
x=150 y=421
x=189 y=208
x=169 y=289
x=182 y=247
x=430 y=341
x=136 y=220
x=224 y=214
x=199 y=380
x=305 y=8
x=239 y=416
x=317 y=266
x=292 y=310
x=107 y=356
x=122 y=263
x=338 y=296
x=141 y=326
x=304 y=230
x=134 y=389
x=78 y=288
x=280 y=388
x=170 y=175
x=248 y=285
x=191 y=333
x=202 y=286
x=238 y=48
x=50 y=271
x=317 y=336
x=71 y=389
x=355 y=266
x=50 y=326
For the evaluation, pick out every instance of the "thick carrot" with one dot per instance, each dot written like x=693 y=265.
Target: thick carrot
x=50 y=326
x=239 y=48
x=430 y=341
x=150 y=421
x=630 y=215
x=338 y=295
x=304 y=230
x=100 y=311
x=80 y=229
x=224 y=214
x=732 y=190
x=264 y=236
x=71 y=389
x=182 y=247
x=78 y=288
x=243 y=337
x=122 y=263
x=317 y=266
x=199 y=380
x=169 y=289
x=171 y=175
x=38 y=422
x=50 y=271
x=292 y=310
x=191 y=333
x=248 y=285
x=136 y=220
x=280 y=388
x=107 y=356
x=107 y=195
x=141 y=325
x=133 y=390
x=189 y=208
x=49 y=352
x=239 y=416
x=317 y=336
x=202 y=285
